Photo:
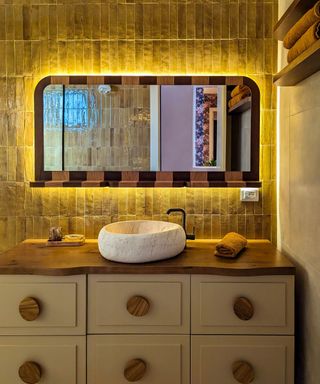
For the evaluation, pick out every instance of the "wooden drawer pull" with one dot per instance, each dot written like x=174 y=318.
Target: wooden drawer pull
x=135 y=369
x=30 y=372
x=243 y=372
x=29 y=309
x=138 y=306
x=243 y=308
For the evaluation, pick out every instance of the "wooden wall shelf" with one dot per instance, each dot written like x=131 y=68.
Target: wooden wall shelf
x=301 y=68
x=242 y=106
x=296 y=10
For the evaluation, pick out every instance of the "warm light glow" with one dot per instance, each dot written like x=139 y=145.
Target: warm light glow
x=126 y=73
x=121 y=50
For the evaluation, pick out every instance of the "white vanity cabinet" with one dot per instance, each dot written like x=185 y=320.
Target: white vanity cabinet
x=190 y=320
x=153 y=329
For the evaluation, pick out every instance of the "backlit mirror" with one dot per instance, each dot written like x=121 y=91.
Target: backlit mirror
x=104 y=127
x=147 y=131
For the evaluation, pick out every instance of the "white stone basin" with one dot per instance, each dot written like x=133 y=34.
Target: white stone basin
x=141 y=241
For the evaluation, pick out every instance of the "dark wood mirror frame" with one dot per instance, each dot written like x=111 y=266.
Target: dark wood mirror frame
x=146 y=179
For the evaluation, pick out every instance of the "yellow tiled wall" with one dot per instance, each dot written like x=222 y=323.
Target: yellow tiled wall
x=41 y=37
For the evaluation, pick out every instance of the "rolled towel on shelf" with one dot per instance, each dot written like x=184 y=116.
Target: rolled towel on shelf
x=236 y=99
x=231 y=245
x=239 y=89
x=306 y=41
x=301 y=26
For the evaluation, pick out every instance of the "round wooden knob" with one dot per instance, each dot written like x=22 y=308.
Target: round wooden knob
x=243 y=308
x=30 y=372
x=243 y=372
x=138 y=306
x=29 y=309
x=135 y=369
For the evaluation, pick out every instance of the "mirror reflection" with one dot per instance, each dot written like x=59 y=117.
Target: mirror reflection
x=147 y=127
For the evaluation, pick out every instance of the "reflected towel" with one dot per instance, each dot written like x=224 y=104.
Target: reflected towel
x=239 y=89
x=309 y=38
x=301 y=26
x=236 y=99
x=231 y=245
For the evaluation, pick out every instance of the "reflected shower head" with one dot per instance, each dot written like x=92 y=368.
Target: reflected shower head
x=104 y=89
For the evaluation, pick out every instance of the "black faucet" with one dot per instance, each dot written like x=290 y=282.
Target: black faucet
x=183 y=212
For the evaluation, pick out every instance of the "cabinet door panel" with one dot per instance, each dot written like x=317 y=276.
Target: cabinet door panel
x=242 y=305
x=62 y=360
x=166 y=358
x=61 y=304
x=270 y=358
x=167 y=299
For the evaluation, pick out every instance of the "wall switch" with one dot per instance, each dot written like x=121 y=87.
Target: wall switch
x=249 y=194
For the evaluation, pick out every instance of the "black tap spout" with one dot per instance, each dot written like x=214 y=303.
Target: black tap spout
x=183 y=212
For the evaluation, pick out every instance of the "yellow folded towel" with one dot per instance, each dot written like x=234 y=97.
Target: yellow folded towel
x=236 y=99
x=301 y=26
x=239 y=89
x=231 y=245
x=309 y=38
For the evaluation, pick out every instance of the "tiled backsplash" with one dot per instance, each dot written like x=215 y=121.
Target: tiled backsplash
x=42 y=37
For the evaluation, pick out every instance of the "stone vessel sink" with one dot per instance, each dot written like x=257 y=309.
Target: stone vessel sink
x=141 y=241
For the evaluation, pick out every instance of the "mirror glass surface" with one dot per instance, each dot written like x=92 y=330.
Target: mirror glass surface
x=146 y=127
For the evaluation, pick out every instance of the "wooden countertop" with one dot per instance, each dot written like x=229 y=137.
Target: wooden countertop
x=32 y=257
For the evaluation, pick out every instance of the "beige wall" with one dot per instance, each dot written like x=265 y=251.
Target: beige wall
x=299 y=212
x=41 y=37
x=299 y=218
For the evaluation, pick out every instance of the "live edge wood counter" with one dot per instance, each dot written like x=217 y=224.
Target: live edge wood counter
x=32 y=257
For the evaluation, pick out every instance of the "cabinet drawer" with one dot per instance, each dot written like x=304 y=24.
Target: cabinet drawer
x=49 y=359
x=240 y=359
x=139 y=304
x=152 y=359
x=42 y=305
x=242 y=305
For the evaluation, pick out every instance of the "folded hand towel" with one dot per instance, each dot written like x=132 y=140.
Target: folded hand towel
x=239 y=89
x=236 y=99
x=231 y=245
x=309 y=38
x=301 y=26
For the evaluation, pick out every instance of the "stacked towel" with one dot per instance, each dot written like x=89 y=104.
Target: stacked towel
x=238 y=93
x=309 y=38
x=304 y=33
x=231 y=245
x=238 y=89
x=301 y=26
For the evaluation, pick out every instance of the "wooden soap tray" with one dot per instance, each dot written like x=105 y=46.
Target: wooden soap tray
x=66 y=242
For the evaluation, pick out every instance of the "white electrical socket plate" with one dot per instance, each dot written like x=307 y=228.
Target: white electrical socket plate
x=249 y=194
